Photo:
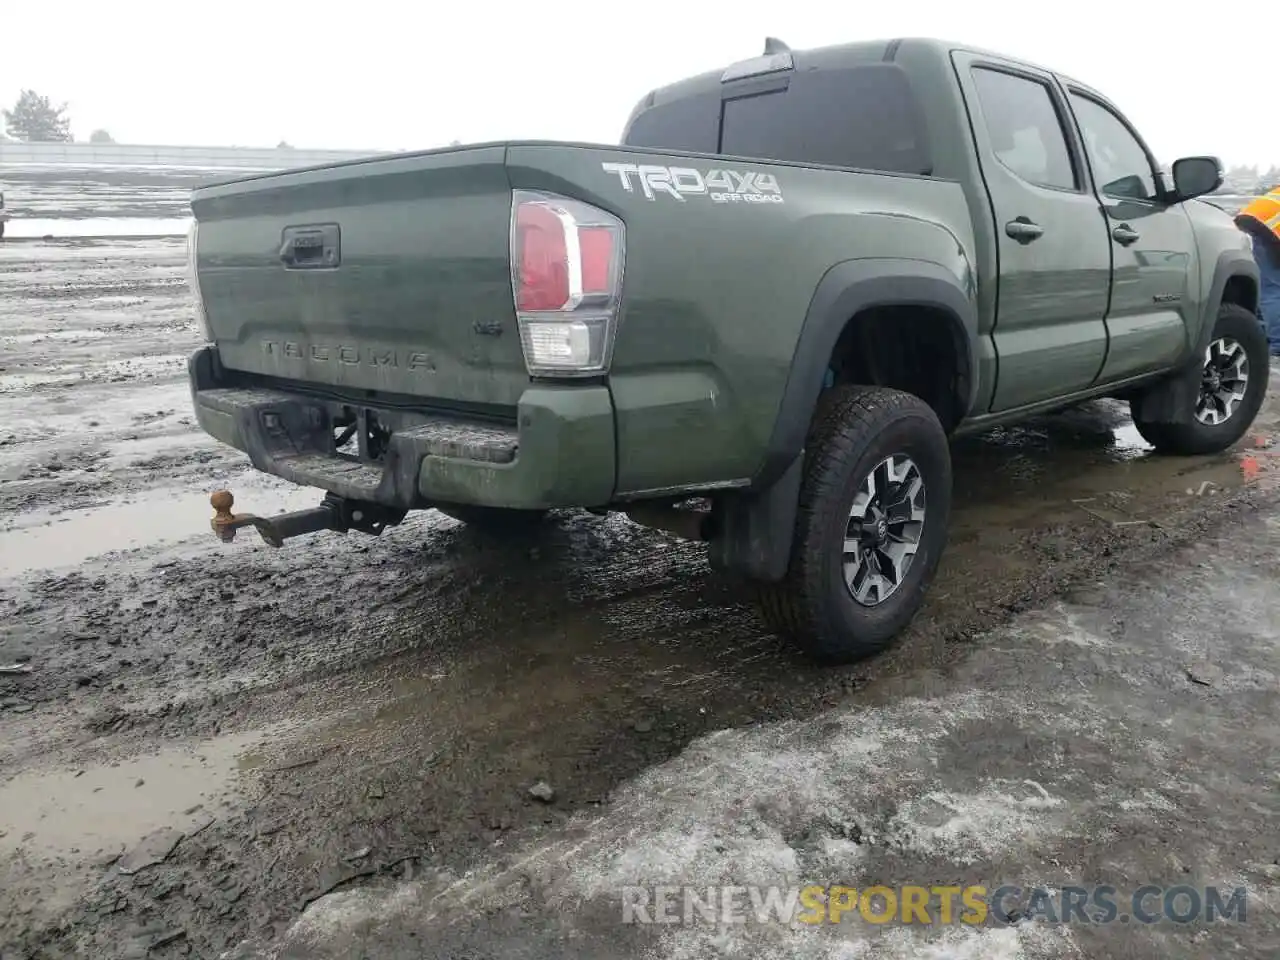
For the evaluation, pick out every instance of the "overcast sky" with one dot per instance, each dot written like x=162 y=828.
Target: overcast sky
x=400 y=74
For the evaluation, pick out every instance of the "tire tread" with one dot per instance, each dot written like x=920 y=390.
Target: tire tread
x=846 y=418
x=1190 y=437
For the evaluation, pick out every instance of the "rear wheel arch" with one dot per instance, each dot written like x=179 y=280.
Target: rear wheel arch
x=852 y=297
x=756 y=526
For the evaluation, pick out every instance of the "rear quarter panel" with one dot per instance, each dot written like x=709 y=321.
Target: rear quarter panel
x=715 y=294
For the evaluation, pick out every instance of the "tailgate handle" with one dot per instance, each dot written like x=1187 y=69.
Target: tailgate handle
x=311 y=247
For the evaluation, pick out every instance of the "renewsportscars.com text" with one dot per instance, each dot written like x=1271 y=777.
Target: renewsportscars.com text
x=935 y=904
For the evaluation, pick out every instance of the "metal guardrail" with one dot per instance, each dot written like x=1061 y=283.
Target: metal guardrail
x=19 y=154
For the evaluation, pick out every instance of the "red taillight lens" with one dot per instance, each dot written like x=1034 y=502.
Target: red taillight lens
x=561 y=256
x=566 y=274
x=543 y=265
x=595 y=247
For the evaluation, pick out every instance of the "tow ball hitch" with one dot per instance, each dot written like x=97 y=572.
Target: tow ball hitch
x=334 y=513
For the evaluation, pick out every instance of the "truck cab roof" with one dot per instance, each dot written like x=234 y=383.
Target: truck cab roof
x=778 y=107
x=834 y=56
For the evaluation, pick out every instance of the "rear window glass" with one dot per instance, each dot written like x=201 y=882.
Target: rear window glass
x=865 y=117
x=691 y=124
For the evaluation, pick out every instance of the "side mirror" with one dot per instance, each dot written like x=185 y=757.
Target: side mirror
x=1195 y=176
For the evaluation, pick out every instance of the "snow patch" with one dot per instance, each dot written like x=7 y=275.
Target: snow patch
x=972 y=827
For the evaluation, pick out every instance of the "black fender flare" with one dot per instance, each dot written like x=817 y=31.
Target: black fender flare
x=845 y=290
x=1171 y=397
x=1231 y=264
x=754 y=528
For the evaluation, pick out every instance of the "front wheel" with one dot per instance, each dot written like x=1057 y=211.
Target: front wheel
x=1233 y=383
x=875 y=502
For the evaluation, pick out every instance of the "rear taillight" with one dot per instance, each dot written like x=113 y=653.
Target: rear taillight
x=566 y=274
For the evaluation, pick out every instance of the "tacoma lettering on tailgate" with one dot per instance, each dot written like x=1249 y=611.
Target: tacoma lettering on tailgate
x=349 y=354
x=721 y=185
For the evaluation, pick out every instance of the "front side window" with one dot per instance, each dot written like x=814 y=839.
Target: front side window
x=1120 y=165
x=1024 y=127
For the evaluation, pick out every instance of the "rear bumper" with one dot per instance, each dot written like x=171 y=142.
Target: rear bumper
x=560 y=452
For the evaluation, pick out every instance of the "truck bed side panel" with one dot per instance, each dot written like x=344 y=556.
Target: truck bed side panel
x=715 y=293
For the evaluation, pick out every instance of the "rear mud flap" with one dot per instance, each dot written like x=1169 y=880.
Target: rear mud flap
x=752 y=531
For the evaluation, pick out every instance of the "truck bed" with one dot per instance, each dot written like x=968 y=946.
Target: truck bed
x=407 y=296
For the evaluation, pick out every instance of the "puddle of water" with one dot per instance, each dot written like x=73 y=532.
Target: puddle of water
x=104 y=807
x=73 y=335
x=97 y=412
x=44 y=543
x=1089 y=460
x=1129 y=442
x=106 y=251
x=26 y=229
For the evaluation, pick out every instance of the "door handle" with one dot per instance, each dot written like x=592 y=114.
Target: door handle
x=311 y=247
x=1125 y=234
x=1023 y=230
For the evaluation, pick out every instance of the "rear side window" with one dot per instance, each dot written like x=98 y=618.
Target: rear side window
x=690 y=125
x=865 y=117
x=1025 y=130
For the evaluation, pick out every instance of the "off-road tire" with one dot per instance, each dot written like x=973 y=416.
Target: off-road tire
x=495 y=520
x=853 y=430
x=1188 y=436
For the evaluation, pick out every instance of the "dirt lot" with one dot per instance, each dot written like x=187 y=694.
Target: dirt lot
x=272 y=726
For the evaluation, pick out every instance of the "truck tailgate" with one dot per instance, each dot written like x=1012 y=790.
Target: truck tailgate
x=390 y=275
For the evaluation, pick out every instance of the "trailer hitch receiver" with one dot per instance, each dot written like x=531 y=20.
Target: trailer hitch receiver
x=333 y=513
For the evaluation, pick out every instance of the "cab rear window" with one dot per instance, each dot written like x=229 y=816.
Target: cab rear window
x=866 y=117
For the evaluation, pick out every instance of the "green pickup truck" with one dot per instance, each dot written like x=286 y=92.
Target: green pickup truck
x=775 y=300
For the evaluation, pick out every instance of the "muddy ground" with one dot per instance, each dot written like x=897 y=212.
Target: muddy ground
x=272 y=726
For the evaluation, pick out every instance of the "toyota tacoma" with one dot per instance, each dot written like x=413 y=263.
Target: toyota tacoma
x=778 y=297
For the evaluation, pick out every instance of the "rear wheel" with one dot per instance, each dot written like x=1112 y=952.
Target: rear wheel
x=495 y=520
x=1 y=229
x=1233 y=384
x=875 y=502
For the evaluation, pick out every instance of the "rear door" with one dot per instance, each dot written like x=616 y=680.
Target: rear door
x=1152 y=246
x=1053 y=248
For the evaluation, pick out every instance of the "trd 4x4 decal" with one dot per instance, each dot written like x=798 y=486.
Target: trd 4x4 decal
x=723 y=186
